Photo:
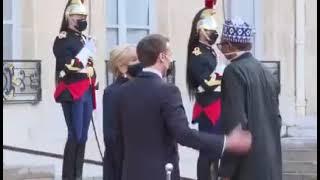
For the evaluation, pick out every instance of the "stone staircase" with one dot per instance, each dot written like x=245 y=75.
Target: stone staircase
x=299 y=157
x=28 y=173
x=299 y=163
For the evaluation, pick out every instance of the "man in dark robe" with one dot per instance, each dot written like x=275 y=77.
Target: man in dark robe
x=250 y=101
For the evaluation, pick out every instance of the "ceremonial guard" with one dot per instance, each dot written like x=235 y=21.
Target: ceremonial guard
x=203 y=82
x=75 y=84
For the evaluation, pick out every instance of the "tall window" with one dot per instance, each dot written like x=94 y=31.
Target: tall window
x=7 y=29
x=10 y=33
x=250 y=11
x=128 y=21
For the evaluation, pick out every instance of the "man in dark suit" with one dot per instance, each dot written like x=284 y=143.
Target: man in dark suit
x=151 y=120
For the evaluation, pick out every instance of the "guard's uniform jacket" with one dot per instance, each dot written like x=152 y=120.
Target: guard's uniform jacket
x=207 y=81
x=72 y=77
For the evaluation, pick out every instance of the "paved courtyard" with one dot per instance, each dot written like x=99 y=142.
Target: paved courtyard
x=302 y=139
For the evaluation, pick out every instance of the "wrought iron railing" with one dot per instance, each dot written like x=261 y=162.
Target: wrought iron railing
x=169 y=78
x=21 y=81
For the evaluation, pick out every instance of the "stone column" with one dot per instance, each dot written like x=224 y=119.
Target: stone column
x=299 y=41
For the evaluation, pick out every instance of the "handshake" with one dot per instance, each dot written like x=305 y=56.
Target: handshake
x=238 y=141
x=88 y=51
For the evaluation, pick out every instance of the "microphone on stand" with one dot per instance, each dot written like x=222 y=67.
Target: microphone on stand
x=169 y=168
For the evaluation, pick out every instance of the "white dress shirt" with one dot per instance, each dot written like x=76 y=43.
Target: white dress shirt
x=153 y=70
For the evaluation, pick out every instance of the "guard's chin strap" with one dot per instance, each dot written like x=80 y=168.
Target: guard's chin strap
x=237 y=54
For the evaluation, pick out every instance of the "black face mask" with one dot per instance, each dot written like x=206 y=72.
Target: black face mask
x=134 y=70
x=170 y=70
x=213 y=37
x=81 y=25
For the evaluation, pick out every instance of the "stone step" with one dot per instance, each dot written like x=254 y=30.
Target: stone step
x=299 y=154
x=100 y=178
x=28 y=173
x=92 y=178
x=299 y=132
x=299 y=143
x=299 y=167
x=285 y=176
x=299 y=176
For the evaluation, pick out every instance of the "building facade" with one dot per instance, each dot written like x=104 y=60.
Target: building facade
x=285 y=34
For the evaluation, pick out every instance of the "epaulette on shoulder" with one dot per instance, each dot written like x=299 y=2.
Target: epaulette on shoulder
x=196 y=51
x=62 y=35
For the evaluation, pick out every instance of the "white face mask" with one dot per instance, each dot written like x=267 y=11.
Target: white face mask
x=237 y=54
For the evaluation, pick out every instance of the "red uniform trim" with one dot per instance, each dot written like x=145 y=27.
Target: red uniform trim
x=212 y=111
x=76 y=89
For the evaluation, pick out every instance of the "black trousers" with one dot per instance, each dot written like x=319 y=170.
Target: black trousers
x=206 y=168
x=73 y=160
x=77 y=116
x=112 y=161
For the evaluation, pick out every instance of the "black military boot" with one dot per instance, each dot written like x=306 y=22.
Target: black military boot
x=80 y=161
x=69 y=159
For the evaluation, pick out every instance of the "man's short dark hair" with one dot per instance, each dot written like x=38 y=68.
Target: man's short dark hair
x=149 y=48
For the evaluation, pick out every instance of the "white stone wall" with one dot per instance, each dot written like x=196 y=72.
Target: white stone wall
x=42 y=126
x=279 y=44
